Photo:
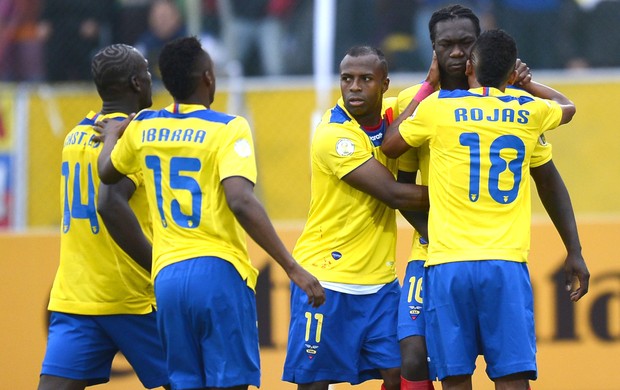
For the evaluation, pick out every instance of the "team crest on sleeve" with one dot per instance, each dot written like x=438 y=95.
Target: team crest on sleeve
x=345 y=147
x=542 y=140
x=242 y=147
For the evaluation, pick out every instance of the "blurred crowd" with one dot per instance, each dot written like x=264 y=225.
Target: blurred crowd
x=54 y=40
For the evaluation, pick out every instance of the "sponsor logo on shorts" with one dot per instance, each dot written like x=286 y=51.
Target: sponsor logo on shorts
x=311 y=350
x=414 y=311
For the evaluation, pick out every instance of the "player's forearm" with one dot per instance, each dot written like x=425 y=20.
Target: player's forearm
x=127 y=233
x=545 y=92
x=122 y=223
x=409 y=197
x=254 y=220
x=556 y=201
x=107 y=173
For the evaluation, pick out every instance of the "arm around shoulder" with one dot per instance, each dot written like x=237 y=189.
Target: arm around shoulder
x=546 y=92
x=376 y=180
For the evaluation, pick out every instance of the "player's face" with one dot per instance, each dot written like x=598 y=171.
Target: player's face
x=362 y=84
x=454 y=39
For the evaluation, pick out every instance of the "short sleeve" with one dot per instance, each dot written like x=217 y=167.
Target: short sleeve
x=124 y=156
x=542 y=152
x=339 y=150
x=420 y=126
x=552 y=116
x=236 y=155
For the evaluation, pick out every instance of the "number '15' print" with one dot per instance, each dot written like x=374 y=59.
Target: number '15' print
x=177 y=181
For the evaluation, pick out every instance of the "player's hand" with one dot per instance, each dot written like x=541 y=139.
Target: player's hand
x=310 y=285
x=433 y=72
x=524 y=74
x=107 y=127
x=575 y=269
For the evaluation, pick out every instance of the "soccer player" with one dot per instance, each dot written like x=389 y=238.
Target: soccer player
x=102 y=300
x=477 y=287
x=348 y=241
x=199 y=169
x=453 y=31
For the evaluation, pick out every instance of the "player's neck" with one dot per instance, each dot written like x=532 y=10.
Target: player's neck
x=452 y=83
x=109 y=107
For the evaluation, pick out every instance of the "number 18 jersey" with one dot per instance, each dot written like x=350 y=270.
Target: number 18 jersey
x=481 y=142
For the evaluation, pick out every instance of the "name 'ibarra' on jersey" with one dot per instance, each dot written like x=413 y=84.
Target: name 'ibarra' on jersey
x=178 y=135
x=496 y=115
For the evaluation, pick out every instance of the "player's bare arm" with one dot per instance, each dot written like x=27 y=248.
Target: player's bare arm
x=417 y=219
x=546 y=92
x=109 y=133
x=254 y=220
x=556 y=200
x=393 y=144
x=122 y=223
x=375 y=179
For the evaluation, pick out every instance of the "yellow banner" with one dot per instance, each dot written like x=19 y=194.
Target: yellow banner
x=578 y=344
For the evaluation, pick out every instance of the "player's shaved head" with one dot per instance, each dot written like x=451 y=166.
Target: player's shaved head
x=359 y=51
x=112 y=68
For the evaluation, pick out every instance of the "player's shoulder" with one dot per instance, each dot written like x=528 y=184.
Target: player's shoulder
x=409 y=92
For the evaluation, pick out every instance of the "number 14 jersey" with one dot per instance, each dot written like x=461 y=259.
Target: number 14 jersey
x=95 y=276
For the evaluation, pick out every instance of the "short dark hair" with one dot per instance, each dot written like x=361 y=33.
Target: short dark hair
x=364 y=50
x=450 y=12
x=179 y=63
x=494 y=56
x=112 y=68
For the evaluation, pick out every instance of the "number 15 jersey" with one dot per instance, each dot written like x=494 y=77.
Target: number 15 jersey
x=481 y=142
x=184 y=152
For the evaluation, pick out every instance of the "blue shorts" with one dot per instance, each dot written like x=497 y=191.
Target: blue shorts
x=207 y=316
x=410 y=308
x=476 y=308
x=82 y=347
x=348 y=339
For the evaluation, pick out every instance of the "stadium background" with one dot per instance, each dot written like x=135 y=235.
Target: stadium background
x=578 y=344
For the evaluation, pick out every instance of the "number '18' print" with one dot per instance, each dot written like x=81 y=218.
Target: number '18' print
x=498 y=166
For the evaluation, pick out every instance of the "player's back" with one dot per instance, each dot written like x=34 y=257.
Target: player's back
x=185 y=151
x=481 y=142
x=94 y=276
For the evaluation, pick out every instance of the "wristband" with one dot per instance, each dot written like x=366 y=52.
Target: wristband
x=425 y=90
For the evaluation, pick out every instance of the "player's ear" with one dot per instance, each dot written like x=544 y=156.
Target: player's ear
x=135 y=83
x=513 y=77
x=386 y=84
x=469 y=68
x=207 y=78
